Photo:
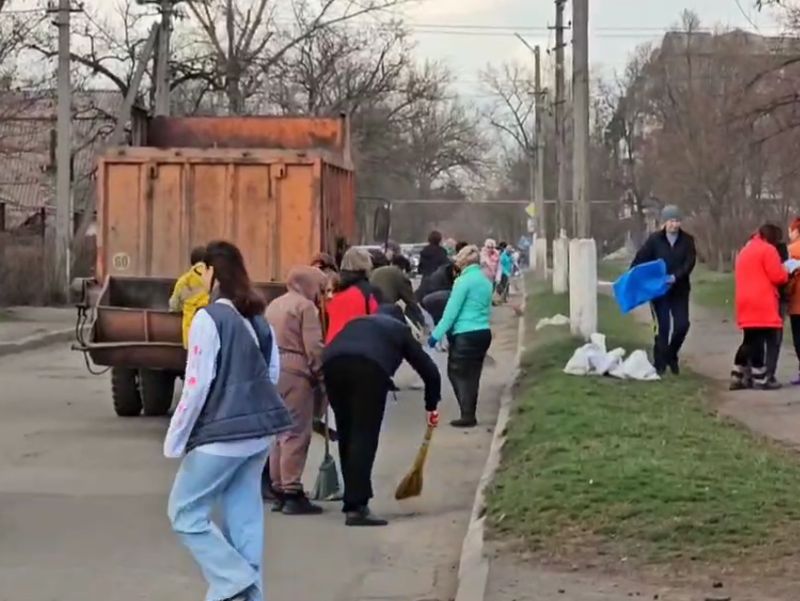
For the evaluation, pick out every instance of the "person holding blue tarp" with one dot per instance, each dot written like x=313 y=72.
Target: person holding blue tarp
x=671 y=311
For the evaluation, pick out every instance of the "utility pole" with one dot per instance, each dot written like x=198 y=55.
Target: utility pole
x=580 y=116
x=162 y=60
x=63 y=235
x=541 y=222
x=540 y=244
x=582 y=249
x=561 y=134
x=560 y=242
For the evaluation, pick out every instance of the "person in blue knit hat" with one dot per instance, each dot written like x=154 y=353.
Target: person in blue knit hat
x=670 y=312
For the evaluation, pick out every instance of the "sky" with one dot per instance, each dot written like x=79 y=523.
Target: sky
x=469 y=34
x=616 y=27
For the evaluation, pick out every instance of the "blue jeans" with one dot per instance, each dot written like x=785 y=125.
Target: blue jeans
x=230 y=558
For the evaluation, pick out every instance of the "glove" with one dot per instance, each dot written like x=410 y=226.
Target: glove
x=432 y=342
x=670 y=279
x=792 y=265
x=432 y=418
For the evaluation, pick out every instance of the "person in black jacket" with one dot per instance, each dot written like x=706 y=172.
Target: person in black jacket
x=432 y=256
x=358 y=366
x=671 y=311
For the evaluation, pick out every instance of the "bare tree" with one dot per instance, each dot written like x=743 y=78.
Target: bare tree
x=625 y=104
x=513 y=111
x=236 y=59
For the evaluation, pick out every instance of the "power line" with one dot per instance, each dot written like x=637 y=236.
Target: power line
x=745 y=15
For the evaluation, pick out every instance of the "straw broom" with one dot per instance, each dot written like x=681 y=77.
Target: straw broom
x=326 y=486
x=411 y=484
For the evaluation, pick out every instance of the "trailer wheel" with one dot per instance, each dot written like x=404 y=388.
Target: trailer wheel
x=125 y=392
x=158 y=388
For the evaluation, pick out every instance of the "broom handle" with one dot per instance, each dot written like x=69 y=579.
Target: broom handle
x=323 y=322
x=327 y=432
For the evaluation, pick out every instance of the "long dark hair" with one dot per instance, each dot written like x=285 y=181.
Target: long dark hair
x=771 y=233
x=231 y=274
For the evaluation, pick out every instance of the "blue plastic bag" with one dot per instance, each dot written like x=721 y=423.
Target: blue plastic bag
x=641 y=284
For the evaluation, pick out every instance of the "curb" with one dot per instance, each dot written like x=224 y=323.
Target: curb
x=36 y=341
x=473 y=565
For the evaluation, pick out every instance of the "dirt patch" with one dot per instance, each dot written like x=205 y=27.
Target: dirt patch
x=519 y=577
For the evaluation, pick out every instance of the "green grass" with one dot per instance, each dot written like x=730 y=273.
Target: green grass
x=712 y=289
x=638 y=470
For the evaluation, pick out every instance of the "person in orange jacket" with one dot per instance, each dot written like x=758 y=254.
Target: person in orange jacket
x=758 y=274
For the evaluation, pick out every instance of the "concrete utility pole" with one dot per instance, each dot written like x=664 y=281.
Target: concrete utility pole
x=540 y=245
x=63 y=235
x=162 y=60
x=560 y=244
x=561 y=130
x=582 y=250
x=580 y=116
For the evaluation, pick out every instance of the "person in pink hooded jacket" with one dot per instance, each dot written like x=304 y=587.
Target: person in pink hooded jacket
x=490 y=259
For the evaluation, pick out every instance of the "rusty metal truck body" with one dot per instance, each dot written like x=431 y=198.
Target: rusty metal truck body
x=279 y=188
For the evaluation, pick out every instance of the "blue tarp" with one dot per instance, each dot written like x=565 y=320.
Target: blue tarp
x=641 y=284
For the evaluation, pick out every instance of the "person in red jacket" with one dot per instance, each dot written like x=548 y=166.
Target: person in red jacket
x=354 y=296
x=758 y=274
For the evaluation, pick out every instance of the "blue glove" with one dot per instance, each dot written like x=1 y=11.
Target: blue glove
x=670 y=279
x=432 y=342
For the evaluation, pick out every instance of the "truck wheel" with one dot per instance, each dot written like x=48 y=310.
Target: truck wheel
x=125 y=392
x=158 y=388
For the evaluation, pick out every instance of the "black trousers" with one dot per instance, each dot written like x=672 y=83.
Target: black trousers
x=435 y=303
x=465 y=365
x=794 y=320
x=357 y=389
x=774 y=344
x=752 y=353
x=671 y=316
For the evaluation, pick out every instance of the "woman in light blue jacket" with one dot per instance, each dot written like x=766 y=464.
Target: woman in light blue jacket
x=465 y=322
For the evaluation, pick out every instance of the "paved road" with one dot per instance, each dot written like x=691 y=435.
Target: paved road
x=83 y=498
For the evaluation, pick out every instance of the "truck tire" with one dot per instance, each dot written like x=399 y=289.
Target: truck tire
x=158 y=388
x=125 y=392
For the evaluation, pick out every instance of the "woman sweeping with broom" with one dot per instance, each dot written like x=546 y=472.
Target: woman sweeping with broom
x=359 y=365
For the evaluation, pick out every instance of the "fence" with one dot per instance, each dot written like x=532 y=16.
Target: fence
x=26 y=261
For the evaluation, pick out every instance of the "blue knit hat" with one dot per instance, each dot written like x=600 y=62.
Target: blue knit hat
x=670 y=212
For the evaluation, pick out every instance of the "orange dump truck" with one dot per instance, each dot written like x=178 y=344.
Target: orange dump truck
x=280 y=188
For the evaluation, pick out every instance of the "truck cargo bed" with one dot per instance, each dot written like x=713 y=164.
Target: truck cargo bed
x=134 y=328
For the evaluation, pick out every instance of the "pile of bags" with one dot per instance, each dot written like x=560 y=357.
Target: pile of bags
x=593 y=359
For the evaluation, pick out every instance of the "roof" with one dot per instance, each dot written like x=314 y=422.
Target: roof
x=27 y=147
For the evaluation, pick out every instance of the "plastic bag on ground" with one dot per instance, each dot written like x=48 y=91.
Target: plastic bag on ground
x=555 y=320
x=593 y=359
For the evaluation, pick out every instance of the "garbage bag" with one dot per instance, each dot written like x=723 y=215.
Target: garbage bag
x=641 y=284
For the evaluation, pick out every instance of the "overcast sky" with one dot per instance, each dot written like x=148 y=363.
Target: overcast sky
x=468 y=34
x=616 y=27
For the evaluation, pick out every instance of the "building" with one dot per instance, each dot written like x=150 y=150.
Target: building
x=28 y=150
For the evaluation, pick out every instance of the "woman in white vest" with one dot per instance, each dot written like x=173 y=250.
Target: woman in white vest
x=223 y=427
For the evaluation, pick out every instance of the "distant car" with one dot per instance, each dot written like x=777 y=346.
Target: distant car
x=413 y=252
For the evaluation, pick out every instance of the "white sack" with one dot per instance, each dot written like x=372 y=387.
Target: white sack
x=556 y=320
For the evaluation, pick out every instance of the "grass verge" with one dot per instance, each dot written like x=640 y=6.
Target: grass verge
x=638 y=470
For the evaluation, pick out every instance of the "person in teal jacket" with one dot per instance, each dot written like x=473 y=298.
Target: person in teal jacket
x=465 y=322
x=506 y=271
